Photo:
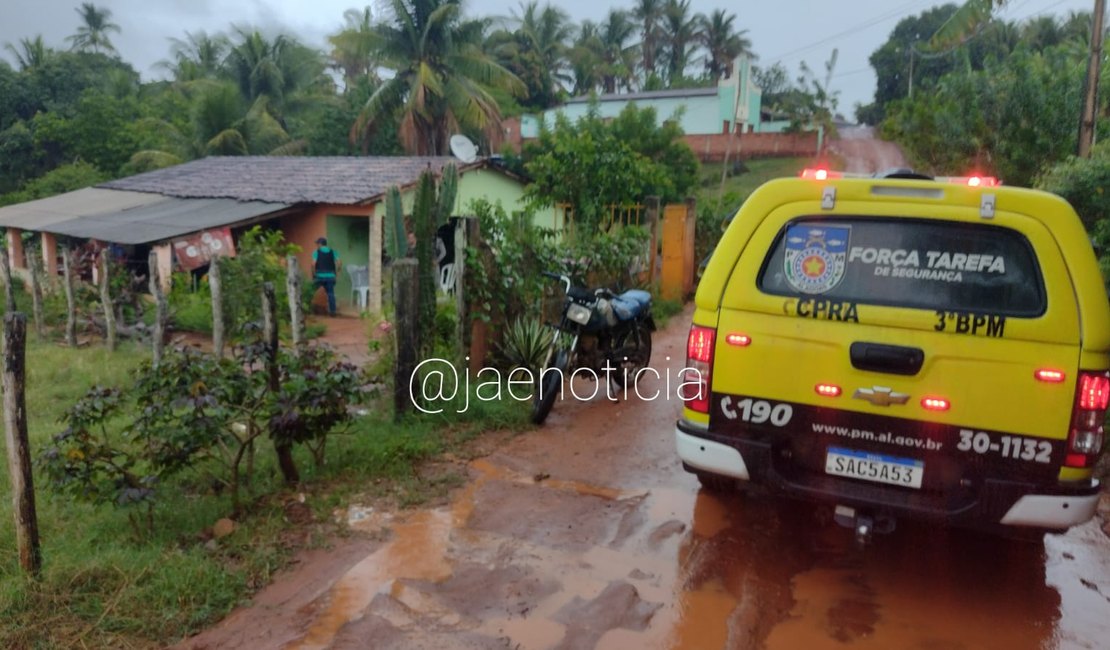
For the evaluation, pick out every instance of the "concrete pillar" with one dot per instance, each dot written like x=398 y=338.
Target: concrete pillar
x=15 y=248
x=50 y=254
x=165 y=265
x=374 y=264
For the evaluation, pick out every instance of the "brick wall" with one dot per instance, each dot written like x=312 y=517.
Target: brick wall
x=712 y=148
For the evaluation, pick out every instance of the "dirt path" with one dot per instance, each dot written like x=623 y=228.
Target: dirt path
x=864 y=153
x=586 y=533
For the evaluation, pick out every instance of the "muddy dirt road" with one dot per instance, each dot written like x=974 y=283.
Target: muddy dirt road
x=587 y=534
x=864 y=153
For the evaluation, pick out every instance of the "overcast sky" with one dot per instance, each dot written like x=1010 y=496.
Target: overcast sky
x=786 y=31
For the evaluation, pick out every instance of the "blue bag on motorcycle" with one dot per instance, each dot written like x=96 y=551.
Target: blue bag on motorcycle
x=629 y=304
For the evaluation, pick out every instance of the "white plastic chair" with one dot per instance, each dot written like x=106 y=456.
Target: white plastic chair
x=447 y=278
x=360 y=284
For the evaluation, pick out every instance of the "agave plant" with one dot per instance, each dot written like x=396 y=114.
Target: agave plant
x=525 y=343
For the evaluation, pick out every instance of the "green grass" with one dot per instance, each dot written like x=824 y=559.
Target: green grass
x=100 y=587
x=743 y=184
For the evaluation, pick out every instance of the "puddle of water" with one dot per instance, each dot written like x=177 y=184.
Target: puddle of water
x=416 y=551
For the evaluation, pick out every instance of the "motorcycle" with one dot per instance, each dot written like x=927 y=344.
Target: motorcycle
x=621 y=324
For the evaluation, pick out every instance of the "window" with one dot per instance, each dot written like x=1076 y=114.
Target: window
x=907 y=263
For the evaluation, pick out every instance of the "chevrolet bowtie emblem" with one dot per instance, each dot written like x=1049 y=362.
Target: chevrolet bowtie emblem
x=880 y=396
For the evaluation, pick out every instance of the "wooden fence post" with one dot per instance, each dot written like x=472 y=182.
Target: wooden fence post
x=34 y=265
x=215 y=286
x=160 y=308
x=283 y=448
x=293 y=288
x=19 y=451
x=406 y=312
x=106 y=301
x=461 y=227
x=6 y=277
x=71 y=304
x=652 y=218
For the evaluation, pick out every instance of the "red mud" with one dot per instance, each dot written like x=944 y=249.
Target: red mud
x=617 y=548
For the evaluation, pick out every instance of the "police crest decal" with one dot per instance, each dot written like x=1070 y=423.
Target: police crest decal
x=815 y=256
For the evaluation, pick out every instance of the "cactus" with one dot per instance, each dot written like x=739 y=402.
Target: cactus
x=423 y=222
x=397 y=241
x=448 y=190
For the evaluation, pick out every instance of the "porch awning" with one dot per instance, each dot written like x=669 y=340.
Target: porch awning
x=124 y=217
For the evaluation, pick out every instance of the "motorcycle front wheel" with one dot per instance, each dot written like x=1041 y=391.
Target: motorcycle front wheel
x=548 y=386
x=630 y=354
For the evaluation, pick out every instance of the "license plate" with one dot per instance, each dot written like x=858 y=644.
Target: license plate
x=870 y=466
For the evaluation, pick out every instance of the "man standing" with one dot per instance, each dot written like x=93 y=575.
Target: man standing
x=325 y=263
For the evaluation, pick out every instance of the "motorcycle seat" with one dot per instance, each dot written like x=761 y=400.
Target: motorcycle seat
x=631 y=303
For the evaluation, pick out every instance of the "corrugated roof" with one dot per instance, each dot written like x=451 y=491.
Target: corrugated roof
x=650 y=94
x=166 y=219
x=41 y=214
x=284 y=179
x=129 y=217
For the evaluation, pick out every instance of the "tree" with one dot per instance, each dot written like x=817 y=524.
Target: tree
x=585 y=58
x=66 y=178
x=353 y=47
x=722 y=43
x=892 y=61
x=680 y=33
x=197 y=56
x=1010 y=119
x=278 y=69
x=616 y=52
x=1083 y=182
x=649 y=13
x=94 y=130
x=594 y=163
x=536 y=52
x=442 y=77
x=93 y=33
x=31 y=53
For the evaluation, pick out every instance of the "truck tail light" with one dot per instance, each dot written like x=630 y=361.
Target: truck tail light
x=699 y=368
x=1092 y=396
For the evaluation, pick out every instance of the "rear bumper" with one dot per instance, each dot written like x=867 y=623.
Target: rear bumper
x=994 y=502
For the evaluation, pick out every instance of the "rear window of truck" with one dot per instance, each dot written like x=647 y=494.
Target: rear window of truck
x=921 y=264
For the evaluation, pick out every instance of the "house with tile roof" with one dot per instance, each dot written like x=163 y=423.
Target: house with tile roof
x=165 y=210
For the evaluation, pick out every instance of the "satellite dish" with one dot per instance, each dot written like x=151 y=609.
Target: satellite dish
x=463 y=148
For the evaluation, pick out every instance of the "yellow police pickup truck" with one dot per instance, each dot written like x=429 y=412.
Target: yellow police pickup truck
x=902 y=346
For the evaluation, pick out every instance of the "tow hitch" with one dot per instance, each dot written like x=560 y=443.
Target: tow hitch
x=864 y=523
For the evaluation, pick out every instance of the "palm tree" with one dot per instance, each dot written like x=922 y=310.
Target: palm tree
x=353 y=47
x=31 y=52
x=222 y=123
x=93 y=34
x=197 y=56
x=1042 y=32
x=722 y=43
x=585 y=58
x=618 y=56
x=680 y=31
x=649 y=13
x=276 y=69
x=442 y=77
x=536 y=52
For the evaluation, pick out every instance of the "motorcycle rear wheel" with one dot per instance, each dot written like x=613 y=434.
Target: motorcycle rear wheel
x=631 y=353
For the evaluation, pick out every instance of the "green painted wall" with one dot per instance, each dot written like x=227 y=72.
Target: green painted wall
x=350 y=237
x=492 y=186
x=702 y=113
